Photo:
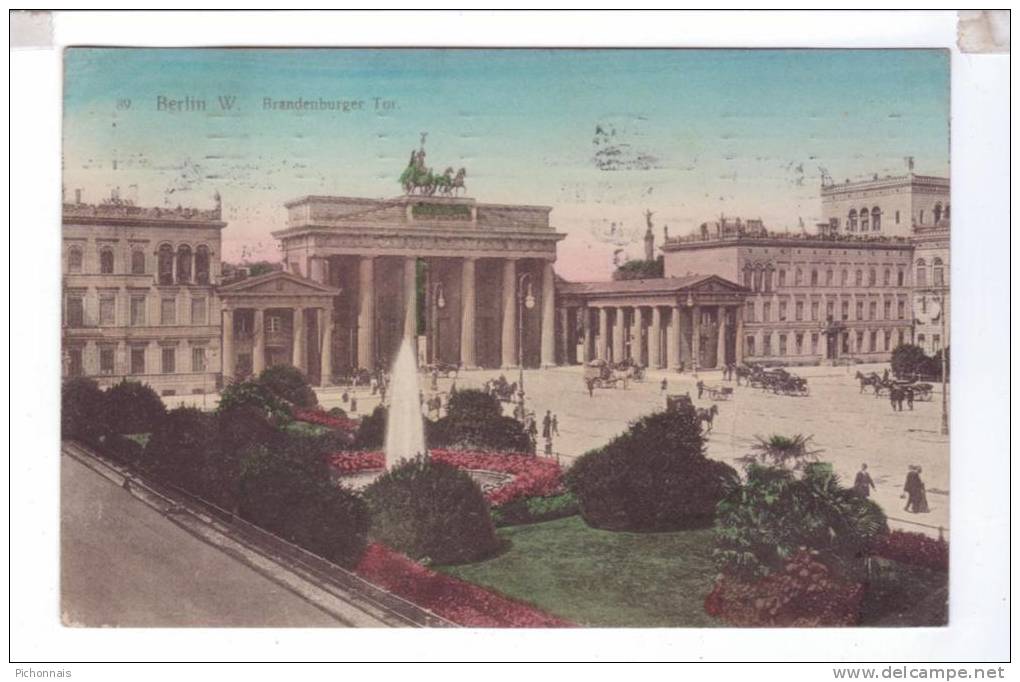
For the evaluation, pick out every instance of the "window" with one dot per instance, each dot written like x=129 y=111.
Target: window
x=873 y=342
x=901 y=308
x=936 y=343
x=107 y=310
x=137 y=311
x=768 y=280
x=202 y=264
x=921 y=280
x=767 y=344
x=782 y=311
x=74 y=259
x=897 y=217
x=757 y=280
x=798 y=277
x=749 y=311
x=766 y=312
x=75 y=367
x=814 y=344
x=106 y=360
x=183 y=263
x=851 y=221
x=138 y=359
x=273 y=323
x=859 y=278
x=938 y=273
x=846 y=310
x=938 y=212
x=799 y=310
x=899 y=277
x=872 y=310
x=198 y=359
x=844 y=277
x=106 y=261
x=782 y=278
x=748 y=278
x=872 y=278
x=886 y=339
x=198 y=311
x=920 y=340
x=887 y=310
x=834 y=225
x=75 y=311
x=828 y=277
x=864 y=220
x=814 y=278
x=798 y=341
x=886 y=277
x=169 y=358
x=750 y=345
x=899 y=337
x=165 y=264
x=167 y=311
x=846 y=342
x=830 y=309
x=921 y=217
x=860 y=342
x=137 y=262
x=859 y=309
x=876 y=219
x=814 y=311
x=782 y=344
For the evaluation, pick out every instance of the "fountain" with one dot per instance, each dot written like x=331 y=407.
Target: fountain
x=405 y=431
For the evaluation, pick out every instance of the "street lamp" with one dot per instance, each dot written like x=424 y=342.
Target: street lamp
x=945 y=344
x=525 y=301
x=438 y=295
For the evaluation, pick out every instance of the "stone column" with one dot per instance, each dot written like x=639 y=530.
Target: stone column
x=637 y=326
x=227 y=352
x=548 y=336
x=720 y=352
x=654 y=339
x=410 y=298
x=738 y=348
x=673 y=335
x=603 y=343
x=618 y=334
x=509 y=335
x=563 y=338
x=258 y=354
x=467 y=314
x=298 y=350
x=696 y=336
x=587 y=353
x=326 y=356
x=366 y=312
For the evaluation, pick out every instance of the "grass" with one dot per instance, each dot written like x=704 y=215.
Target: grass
x=601 y=578
x=140 y=438
x=306 y=428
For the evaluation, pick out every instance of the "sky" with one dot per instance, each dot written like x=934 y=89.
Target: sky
x=598 y=135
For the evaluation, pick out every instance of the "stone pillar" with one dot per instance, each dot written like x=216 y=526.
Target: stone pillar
x=636 y=327
x=227 y=361
x=548 y=315
x=298 y=350
x=738 y=347
x=509 y=335
x=366 y=312
x=603 y=343
x=467 y=314
x=563 y=338
x=410 y=298
x=696 y=336
x=720 y=352
x=258 y=354
x=654 y=339
x=618 y=335
x=587 y=353
x=326 y=335
x=673 y=335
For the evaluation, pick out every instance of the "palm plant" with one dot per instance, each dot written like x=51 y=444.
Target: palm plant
x=788 y=452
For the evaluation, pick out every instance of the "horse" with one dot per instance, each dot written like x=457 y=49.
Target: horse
x=872 y=380
x=707 y=416
x=744 y=372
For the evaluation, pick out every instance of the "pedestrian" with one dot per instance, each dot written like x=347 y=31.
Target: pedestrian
x=910 y=398
x=548 y=446
x=345 y=397
x=547 y=425
x=555 y=426
x=885 y=375
x=591 y=387
x=892 y=397
x=354 y=403
x=863 y=485
x=921 y=503
x=701 y=388
x=663 y=386
x=911 y=489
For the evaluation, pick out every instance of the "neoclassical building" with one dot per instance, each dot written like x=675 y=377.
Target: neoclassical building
x=139 y=295
x=474 y=281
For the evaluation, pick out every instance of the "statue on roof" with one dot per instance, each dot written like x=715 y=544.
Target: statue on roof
x=418 y=178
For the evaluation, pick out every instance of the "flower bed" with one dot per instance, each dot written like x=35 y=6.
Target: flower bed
x=915 y=549
x=325 y=419
x=532 y=476
x=449 y=597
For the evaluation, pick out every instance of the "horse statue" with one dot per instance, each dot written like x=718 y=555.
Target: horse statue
x=457 y=184
x=707 y=416
x=444 y=182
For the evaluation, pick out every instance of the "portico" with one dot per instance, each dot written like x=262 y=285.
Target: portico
x=671 y=322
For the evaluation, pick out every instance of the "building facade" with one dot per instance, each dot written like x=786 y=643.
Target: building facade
x=139 y=295
x=891 y=206
x=472 y=281
x=931 y=286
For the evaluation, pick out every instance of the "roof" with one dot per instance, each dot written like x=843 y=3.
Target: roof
x=659 y=285
x=295 y=283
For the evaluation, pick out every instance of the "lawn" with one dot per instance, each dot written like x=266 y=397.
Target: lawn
x=607 y=579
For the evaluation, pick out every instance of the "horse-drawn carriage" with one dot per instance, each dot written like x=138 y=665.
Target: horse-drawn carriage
x=503 y=390
x=717 y=392
x=447 y=370
x=779 y=381
x=883 y=386
x=600 y=374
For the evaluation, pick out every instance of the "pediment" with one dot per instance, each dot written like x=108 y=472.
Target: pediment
x=285 y=283
x=716 y=284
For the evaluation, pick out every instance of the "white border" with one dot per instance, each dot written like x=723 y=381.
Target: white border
x=980 y=620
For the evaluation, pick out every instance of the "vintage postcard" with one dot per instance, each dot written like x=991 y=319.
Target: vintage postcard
x=505 y=338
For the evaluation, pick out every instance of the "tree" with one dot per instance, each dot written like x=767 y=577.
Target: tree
x=254 y=393
x=789 y=452
x=182 y=450
x=640 y=269
x=290 y=384
x=83 y=412
x=908 y=361
x=134 y=408
x=475 y=420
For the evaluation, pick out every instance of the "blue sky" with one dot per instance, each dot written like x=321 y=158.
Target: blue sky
x=695 y=133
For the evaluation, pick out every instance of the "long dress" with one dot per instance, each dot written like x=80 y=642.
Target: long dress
x=921 y=501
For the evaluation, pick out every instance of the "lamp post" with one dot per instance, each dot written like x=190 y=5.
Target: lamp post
x=525 y=301
x=694 y=330
x=945 y=344
x=438 y=296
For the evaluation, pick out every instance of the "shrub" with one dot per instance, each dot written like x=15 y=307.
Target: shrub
x=654 y=476
x=253 y=393
x=431 y=511
x=290 y=384
x=763 y=522
x=371 y=434
x=475 y=421
x=805 y=593
x=337 y=413
x=134 y=408
x=288 y=491
x=534 y=510
x=183 y=451
x=908 y=360
x=83 y=413
x=122 y=449
x=473 y=404
x=915 y=549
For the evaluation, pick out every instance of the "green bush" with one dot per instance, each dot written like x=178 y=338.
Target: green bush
x=908 y=360
x=534 y=509
x=765 y=520
x=83 y=412
x=183 y=451
x=371 y=434
x=473 y=404
x=134 y=408
x=475 y=421
x=253 y=393
x=653 y=477
x=122 y=449
x=288 y=491
x=431 y=511
x=290 y=384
